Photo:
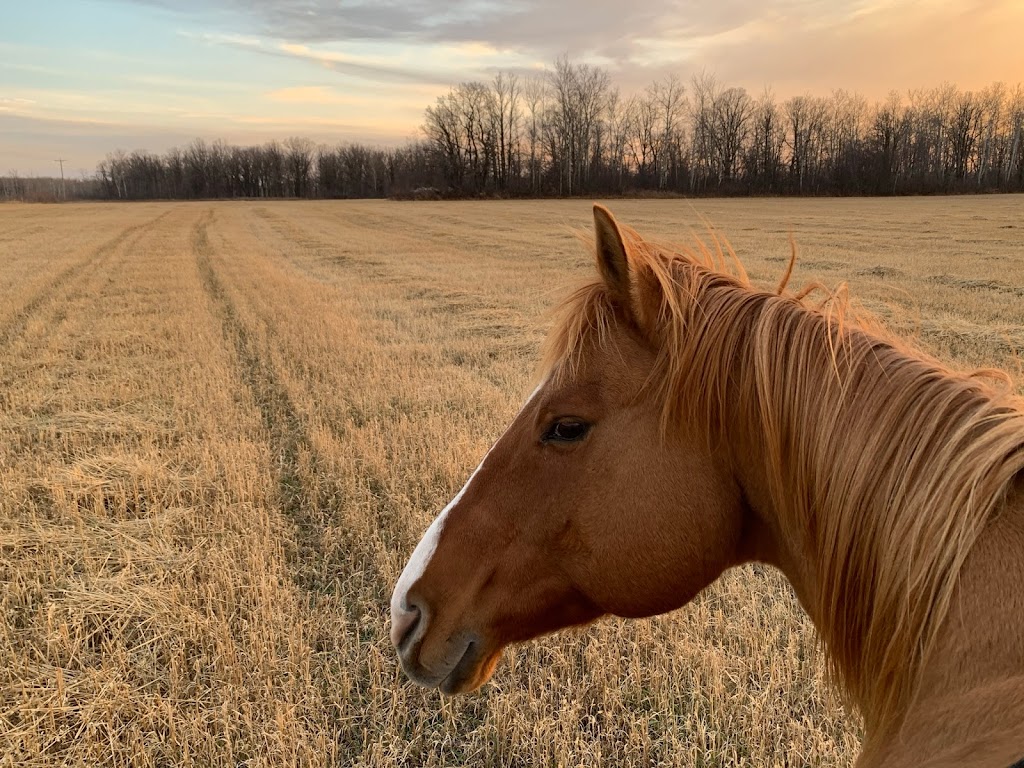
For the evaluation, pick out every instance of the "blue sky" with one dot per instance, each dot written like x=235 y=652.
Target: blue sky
x=79 y=79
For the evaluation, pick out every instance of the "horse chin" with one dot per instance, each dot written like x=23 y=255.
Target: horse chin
x=473 y=670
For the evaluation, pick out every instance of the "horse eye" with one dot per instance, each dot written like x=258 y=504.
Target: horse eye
x=566 y=431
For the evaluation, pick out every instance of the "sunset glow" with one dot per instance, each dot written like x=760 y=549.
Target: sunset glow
x=80 y=79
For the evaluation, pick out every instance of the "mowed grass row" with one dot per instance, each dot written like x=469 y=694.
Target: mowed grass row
x=144 y=619
x=224 y=427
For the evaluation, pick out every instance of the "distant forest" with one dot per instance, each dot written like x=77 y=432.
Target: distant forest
x=570 y=132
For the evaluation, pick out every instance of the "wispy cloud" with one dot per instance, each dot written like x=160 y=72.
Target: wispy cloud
x=361 y=66
x=13 y=104
x=385 y=63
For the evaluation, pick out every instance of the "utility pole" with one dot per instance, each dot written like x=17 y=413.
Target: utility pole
x=63 y=194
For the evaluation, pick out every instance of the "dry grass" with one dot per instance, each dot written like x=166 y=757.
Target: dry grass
x=223 y=427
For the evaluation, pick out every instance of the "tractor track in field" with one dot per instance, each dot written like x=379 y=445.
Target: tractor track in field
x=61 y=284
x=280 y=418
x=410 y=285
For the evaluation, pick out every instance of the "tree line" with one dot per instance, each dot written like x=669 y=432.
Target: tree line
x=570 y=131
x=46 y=189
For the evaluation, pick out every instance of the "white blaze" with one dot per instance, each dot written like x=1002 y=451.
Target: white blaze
x=428 y=544
x=424 y=551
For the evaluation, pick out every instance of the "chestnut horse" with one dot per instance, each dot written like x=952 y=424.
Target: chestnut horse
x=688 y=423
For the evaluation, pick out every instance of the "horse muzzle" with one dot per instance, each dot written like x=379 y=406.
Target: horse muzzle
x=452 y=668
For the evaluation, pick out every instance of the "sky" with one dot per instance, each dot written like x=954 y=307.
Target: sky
x=80 y=78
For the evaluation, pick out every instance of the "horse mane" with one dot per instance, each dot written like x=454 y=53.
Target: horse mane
x=891 y=461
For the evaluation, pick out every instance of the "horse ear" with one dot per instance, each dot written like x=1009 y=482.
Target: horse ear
x=612 y=259
x=636 y=289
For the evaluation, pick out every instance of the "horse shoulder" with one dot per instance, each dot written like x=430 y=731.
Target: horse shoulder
x=970 y=709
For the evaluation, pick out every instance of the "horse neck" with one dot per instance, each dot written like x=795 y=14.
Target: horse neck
x=833 y=434
x=969 y=708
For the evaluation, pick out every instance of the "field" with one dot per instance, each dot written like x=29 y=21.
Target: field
x=224 y=426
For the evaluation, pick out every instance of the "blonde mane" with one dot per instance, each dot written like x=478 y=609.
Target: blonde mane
x=890 y=461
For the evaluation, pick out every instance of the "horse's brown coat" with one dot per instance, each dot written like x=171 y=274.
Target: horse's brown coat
x=729 y=425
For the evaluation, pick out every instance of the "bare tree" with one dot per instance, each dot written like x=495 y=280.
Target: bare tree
x=965 y=131
x=764 y=154
x=507 y=93
x=643 y=144
x=844 y=130
x=669 y=99
x=579 y=96
x=1014 y=138
x=443 y=128
x=805 y=139
x=619 y=118
x=731 y=111
x=704 y=89
x=888 y=138
x=476 y=107
x=534 y=92
x=299 y=164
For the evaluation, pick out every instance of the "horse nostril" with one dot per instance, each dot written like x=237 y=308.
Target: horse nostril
x=404 y=624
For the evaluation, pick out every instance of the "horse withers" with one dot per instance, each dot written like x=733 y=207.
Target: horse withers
x=687 y=423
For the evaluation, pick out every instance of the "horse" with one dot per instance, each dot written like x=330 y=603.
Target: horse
x=686 y=423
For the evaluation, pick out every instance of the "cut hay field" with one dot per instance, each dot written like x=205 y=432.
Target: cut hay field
x=224 y=426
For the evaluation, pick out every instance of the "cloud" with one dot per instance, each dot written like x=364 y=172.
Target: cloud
x=338 y=62
x=606 y=28
x=363 y=67
x=794 y=44
x=418 y=64
x=15 y=104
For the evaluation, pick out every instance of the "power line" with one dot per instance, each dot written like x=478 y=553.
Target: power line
x=63 y=194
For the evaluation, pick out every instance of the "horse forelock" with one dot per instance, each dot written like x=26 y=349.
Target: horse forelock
x=891 y=459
